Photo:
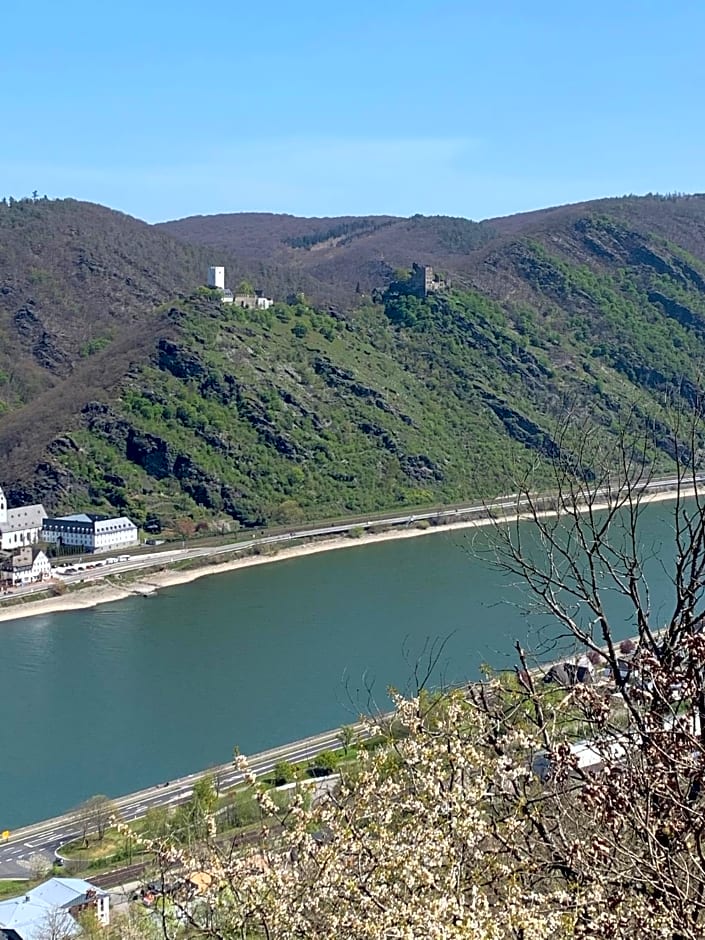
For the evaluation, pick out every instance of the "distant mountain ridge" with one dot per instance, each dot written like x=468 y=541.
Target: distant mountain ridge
x=340 y=254
x=377 y=245
x=264 y=235
x=126 y=384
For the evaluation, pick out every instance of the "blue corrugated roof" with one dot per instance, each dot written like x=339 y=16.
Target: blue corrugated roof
x=30 y=915
x=31 y=919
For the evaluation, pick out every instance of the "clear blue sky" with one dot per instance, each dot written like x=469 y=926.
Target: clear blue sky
x=322 y=108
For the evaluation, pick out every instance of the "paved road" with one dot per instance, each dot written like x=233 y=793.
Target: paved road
x=45 y=837
x=509 y=503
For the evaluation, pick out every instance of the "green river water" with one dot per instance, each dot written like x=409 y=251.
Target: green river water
x=143 y=690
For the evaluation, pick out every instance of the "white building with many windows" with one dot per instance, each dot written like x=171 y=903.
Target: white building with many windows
x=87 y=532
x=21 y=526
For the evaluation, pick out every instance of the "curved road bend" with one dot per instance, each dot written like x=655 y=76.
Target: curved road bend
x=47 y=836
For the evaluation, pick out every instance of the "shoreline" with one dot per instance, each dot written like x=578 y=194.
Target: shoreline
x=101 y=593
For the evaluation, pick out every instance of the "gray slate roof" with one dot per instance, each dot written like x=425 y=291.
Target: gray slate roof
x=25 y=517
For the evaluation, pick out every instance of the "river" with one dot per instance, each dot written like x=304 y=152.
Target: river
x=143 y=690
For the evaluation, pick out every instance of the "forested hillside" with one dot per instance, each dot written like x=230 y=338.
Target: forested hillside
x=341 y=257
x=126 y=384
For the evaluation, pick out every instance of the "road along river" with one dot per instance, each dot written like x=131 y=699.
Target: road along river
x=47 y=836
x=143 y=690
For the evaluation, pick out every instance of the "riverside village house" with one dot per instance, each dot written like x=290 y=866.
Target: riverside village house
x=53 y=910
x=23 y=527
x=25 y=566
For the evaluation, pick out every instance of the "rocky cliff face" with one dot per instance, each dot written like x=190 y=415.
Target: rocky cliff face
x=123 y=385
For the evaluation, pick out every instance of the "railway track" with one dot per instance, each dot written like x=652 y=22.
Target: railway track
x=127 y=873
x=119 y=876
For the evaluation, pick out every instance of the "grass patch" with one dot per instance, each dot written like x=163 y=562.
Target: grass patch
x=95 y=848
x=114 y=846
x=9 y=889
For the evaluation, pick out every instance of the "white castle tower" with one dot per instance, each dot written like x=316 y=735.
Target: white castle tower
x=216 y=277
x=3 y=508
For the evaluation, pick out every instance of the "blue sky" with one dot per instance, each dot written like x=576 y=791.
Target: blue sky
x=464 y=108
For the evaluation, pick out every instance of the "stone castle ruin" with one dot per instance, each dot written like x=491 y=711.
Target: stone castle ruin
x=425 y=281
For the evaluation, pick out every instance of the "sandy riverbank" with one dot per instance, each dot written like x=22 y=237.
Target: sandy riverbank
x=102 y=593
